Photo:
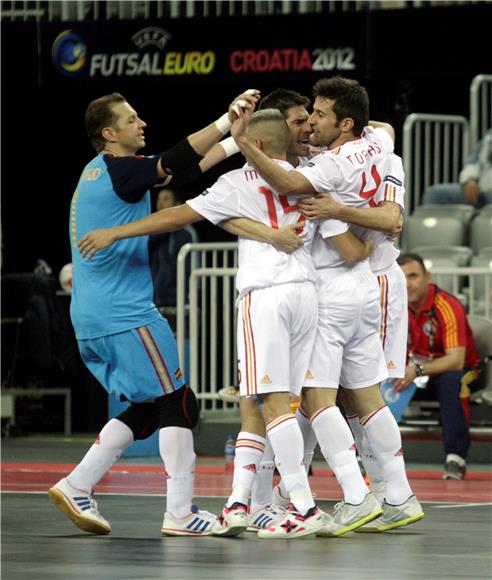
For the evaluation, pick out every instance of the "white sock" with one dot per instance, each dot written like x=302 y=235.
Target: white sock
x=286 y=439
x=113 y=439
x=338 y=447
x=249 y=451
x=385 y=440
x=367 y=456
x=261 y=492
x=308 y=436
x=176 y=448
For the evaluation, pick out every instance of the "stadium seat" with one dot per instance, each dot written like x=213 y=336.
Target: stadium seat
x=462 y=211
x=432 y=231
x=481 y=232
x=482 y=333
x=441 y=260
x=486 y=209
x=478 y=289
x=458 y=255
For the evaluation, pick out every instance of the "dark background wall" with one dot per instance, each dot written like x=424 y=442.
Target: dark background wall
x=416 y=60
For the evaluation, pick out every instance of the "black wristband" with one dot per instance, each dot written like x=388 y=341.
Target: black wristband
x=180 y=157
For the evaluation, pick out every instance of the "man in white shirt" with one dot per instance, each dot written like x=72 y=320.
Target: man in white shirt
x=347 y=348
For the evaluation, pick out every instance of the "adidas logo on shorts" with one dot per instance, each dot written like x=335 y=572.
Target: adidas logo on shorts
x=266 y=380
x=391 y=365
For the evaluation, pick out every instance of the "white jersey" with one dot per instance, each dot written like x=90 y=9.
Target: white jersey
x=392 y=188
x=352 y=173
x=243 y=193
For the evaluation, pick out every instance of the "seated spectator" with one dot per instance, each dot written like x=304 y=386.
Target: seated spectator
x=475 y=180
x=441 y=346
x=163 y=257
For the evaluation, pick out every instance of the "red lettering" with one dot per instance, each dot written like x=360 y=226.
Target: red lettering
x=276 y=61
x=359 y=158
x=249 y=60
x=262 y=61
x=287 y=54
x=234 y=62
x=305 y=61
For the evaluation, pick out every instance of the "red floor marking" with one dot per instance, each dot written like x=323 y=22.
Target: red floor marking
x=149 y=479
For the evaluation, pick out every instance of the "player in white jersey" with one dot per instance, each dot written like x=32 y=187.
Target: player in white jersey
x=393 y=298
x=351 y=169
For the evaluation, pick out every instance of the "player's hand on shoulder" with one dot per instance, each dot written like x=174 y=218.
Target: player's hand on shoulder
x=246 y=100
x=286 y=239
x=320 y=207
x=95 y=241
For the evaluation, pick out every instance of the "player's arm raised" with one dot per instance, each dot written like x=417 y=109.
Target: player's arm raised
x=166 y=220
x=189 y=152
x=385 y=126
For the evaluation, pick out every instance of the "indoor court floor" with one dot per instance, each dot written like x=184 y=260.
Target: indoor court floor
x=38 y=541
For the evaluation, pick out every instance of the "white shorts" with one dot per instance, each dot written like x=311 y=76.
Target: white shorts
x=347 y=349
x=275 y=335
x=393 y=329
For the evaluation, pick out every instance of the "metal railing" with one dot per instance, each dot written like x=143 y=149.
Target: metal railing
x=435 y=148
x=206 y=316
x=93 y=10
x=480 y=107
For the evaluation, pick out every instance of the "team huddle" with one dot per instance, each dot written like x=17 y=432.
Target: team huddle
x=322 y=311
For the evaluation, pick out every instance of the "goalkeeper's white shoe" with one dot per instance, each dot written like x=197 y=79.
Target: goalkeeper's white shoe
x=79 y=506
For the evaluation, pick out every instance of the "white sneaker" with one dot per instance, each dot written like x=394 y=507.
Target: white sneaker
x=232 y=521
x=79 y=506
x=263 y=517
x=294 y=525
x=198 y=523
x=395 y=516
x=278 y=499
x=348 y=517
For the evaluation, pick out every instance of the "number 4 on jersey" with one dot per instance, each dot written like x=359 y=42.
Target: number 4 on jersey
x=370 y=193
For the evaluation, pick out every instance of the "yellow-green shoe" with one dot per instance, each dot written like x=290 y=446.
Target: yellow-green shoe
x=348 y=517
x=395 y=516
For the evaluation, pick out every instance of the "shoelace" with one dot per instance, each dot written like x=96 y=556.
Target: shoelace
x=93 y=504
x=338 y=506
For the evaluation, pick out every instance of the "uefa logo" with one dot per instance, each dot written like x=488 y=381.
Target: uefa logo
x=68 y=53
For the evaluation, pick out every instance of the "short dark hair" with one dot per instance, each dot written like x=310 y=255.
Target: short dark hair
x=410 y=257
x=100 y=114
x=351 y=100
x=283 y=100
x=273 y=130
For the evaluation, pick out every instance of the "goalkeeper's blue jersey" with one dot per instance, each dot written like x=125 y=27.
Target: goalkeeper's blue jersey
x=113 y=292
